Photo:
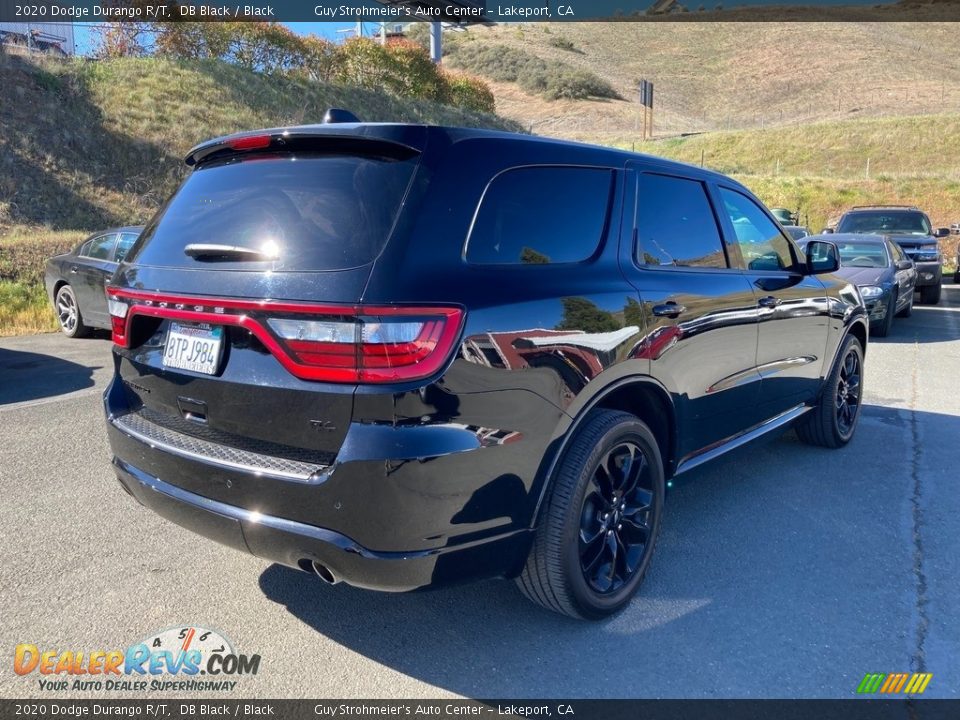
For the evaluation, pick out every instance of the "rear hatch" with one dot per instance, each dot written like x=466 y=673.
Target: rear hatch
x=237 y=320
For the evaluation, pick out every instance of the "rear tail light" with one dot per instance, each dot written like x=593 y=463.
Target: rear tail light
x=354 y=343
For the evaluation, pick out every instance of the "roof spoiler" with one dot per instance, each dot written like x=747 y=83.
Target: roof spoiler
x=315 y=139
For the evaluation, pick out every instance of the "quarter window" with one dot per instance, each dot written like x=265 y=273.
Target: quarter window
x=541 y=215
x=676 y=225
x=123 y=246
x=762 y=245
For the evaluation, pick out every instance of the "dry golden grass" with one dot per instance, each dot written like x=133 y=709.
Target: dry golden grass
x=717 y=75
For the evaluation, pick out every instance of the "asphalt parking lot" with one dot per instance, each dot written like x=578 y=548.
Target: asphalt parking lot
x=782 y=570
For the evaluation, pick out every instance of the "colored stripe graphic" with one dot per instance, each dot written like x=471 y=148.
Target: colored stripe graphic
x=871 y=682
x=894 y=683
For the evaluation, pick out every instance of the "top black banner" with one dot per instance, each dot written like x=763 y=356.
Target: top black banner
x=479 y=11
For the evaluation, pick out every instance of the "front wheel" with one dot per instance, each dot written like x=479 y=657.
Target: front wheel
x=832 y=423
x=595 y=539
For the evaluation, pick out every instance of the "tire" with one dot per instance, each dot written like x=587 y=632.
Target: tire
x=589 y=553
x=882 y=328
x=908 y=310
x=956 y=276
x=68 y=313
x=823 y=425
x=930 y=294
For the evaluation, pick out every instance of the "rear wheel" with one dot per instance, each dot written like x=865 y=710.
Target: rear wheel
x=930 y=294
x=832 y=423
x=908 y=308
x=594 y=542
x=68 y=313
x=956 y=275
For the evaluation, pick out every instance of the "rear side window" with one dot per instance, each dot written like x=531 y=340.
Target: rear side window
x=541 y=215
x=310 y=212
x=100 y=248
x=676 y=225
x=123 y=246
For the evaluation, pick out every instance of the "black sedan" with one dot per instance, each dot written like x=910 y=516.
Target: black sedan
x=75 y=280
x=885 y=276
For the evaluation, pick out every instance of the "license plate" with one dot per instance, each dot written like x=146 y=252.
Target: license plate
x=193 y=347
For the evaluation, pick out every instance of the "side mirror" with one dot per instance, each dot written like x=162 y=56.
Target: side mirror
x=942 y=232
x=827 y=231
x=904 y=264
x=822 y=257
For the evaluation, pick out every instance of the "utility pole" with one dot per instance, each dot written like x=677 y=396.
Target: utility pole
x=436 y=42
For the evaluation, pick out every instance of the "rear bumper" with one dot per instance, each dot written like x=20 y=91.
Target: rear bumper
x=298 y=545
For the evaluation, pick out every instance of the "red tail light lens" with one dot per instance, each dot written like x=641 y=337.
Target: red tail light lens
x=354 y=343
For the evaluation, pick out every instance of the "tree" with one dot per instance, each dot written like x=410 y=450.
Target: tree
x=581 y=314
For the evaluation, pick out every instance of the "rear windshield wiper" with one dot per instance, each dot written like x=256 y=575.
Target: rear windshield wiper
x=214 y=251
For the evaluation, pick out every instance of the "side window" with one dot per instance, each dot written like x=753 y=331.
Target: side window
x=675 y=224
x=101 y=248
x=541 y=215
x=897 y=253
x=84 y=249
x=123 y=246
x=762 y=245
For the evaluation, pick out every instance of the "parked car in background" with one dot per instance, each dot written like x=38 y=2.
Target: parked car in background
x=785 y=217
x=797 y=232
x=910 y=228
x=75 y=281
x=402 y=355
x=885 y=276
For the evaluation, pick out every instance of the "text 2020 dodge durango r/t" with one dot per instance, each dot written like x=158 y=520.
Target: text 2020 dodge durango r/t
x=401 y=356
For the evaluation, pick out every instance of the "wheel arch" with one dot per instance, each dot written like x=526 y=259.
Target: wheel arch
x=639 y=395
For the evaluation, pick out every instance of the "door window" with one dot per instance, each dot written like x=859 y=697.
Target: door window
x=101 y=248
x=676 y=225
x=762 y=245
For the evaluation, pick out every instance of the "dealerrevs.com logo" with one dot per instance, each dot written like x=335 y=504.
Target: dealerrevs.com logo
x=186 y=658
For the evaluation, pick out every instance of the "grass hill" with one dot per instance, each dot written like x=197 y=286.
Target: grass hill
x=822 y=168
x=733 y=75
x=85 y=144
x=88 y=144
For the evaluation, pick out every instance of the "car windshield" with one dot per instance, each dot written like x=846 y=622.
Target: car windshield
x=903 y=222
x=796 y=232
x=861 y=254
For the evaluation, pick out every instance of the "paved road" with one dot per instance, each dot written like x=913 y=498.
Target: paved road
x=782 y=571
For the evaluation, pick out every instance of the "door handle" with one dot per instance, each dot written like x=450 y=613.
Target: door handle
x=769 y=301
x=73 y=269
x=668 y=309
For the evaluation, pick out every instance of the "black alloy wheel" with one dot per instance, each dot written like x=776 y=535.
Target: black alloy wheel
x=615 y=518
x=849 y=391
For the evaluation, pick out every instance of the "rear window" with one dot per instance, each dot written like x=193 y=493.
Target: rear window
x=540 y=216
x=309 y=212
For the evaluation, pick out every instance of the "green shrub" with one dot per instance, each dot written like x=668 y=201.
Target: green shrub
x=411 y=73
x=24 y=262
x=469 y=92
x=533 y=74
x=577 y=85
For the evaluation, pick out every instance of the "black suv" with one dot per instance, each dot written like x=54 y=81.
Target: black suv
x=910 y=228
x=399 y=356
